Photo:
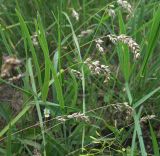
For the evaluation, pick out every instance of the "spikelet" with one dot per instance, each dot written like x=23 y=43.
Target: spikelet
x=85 y=33
x=111 y=13
x=76 y=73
x=99 y=45
x=36 y=152
x=135 y=48
x=77 y=116
x=35 y=39
x=125 y=5
x=15 y=78
x=46 y=112
x=9 y=63
x=148 y=117
x=98 y=69
x=75 y=14
x=61 y=118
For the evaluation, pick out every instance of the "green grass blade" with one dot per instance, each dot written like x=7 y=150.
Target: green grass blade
x=154 y=141
x=5 y=41
x=44 y=46
x=57 y=86
x=12 y=122
x=139 y=133
x=128 y=93
x=37 y=103
x=82 y=71
x=146 y=97
x=123 y=51
x=9 y=151
x=152 y=40
x=137 y=126
x=25 y=31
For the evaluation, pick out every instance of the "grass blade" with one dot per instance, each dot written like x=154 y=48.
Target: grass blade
x=82 y=71
x=44 y=46
x=37 y=103
x=146 y=97
x=154 y=141
x=25 y=31
x=152 y=40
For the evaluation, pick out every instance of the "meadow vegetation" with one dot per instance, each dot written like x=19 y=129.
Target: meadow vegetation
x=79 y=77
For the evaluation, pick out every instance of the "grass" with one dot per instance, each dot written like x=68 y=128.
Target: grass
x=45 y=36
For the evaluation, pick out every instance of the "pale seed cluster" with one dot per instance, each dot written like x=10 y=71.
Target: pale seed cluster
x=123 y=106
x=85 y=33
x=77 y=116
x=76 y=73
x=146 y=118
x=16 y=78
x=46 y=112
x=9 y=65
x=125 y=5
x=98 y=69
x=120 y=114
x=99 y=47
x=129 y=110
x=135 y=48
x=111 y=11
x=75 y=14
x=35 y=39
x=36 y=152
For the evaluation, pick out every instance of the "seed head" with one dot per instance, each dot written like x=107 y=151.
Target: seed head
x=85 y=33
x=46 y=113
x=16 y=78
x=75 y=15
x=146 y=118
x=111 y=13
x=99 y=45
x=10 y=63
x=98 y=69
x=135 y=48
x=76 y=73
x=125 y=5
x=78 y=116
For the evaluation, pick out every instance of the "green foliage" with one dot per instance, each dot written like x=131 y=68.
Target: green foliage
x=51 y=40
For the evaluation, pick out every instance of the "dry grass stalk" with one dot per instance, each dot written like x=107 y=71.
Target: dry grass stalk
x=77 y=116
x=135 y=48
